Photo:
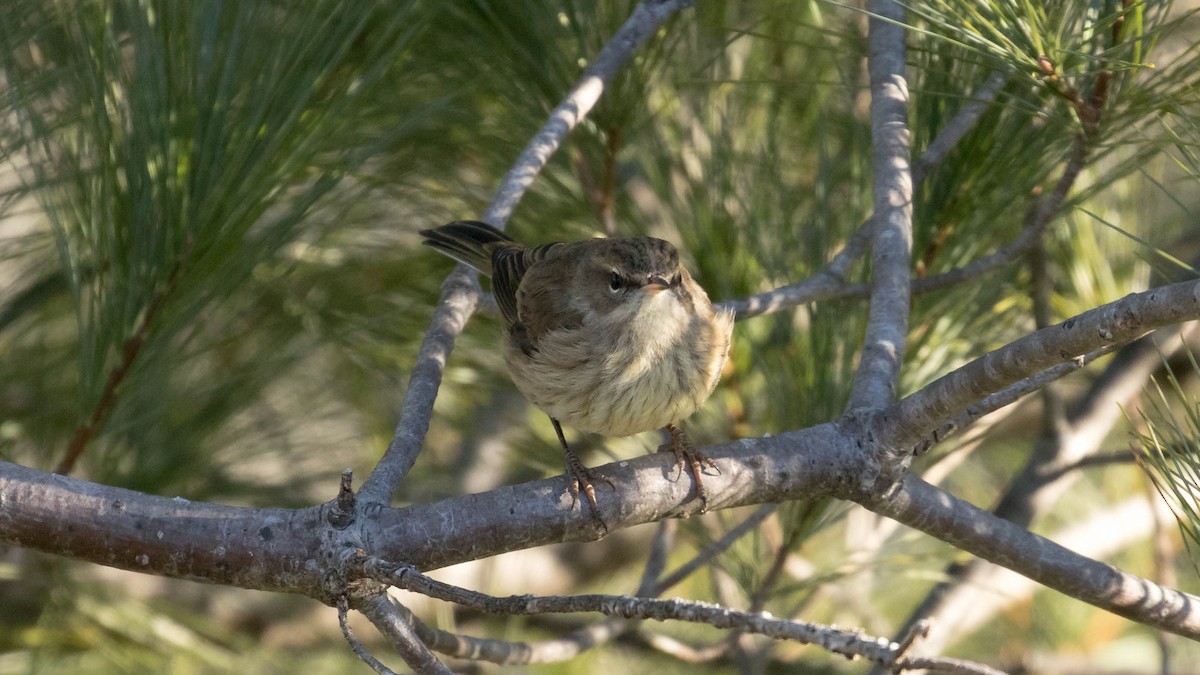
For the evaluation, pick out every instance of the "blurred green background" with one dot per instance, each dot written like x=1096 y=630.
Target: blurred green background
x=220 y=201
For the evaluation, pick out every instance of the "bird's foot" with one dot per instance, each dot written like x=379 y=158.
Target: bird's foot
x=581 y=479
x=696 y=461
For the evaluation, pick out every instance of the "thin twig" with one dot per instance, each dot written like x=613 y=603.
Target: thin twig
x=952 y=277
x=831 y=282
x=401 y=634
x=597 y=633
x=821 y=286
x=715 y=548
x=958 y=127
x=587 y=180
x=878 y=371
x=942 y=664
x=976 y=268
x=656 y=561
x=343 y=607
x=602 y=195
x=130 y=350
x=683 y=651
x=460 y=292
x=1104 y=459
x=1039 y=282
x=916 y=631
x=608 y=216
x=1165 y=551
x=651 y=585
x=341 y=512
x=851 y=644
x=646 y=18
x=758 y=599
x=511 y=653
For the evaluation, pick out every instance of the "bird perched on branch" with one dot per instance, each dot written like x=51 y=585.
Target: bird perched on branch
x=610 y=336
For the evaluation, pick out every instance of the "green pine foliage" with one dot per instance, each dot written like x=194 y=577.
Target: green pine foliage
x=1168 y=448
x=209 y=270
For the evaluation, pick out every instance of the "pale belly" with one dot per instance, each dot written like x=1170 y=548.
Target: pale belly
x=600 y=394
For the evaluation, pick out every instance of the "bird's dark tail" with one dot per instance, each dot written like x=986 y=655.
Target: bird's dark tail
x=469 y=241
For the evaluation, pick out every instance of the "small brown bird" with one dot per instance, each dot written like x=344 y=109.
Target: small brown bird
x=611 y=336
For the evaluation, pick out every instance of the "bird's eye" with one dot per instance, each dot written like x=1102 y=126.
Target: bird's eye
x=614 y=281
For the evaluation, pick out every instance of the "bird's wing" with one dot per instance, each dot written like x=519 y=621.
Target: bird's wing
x=509 y=265
x=544 y=301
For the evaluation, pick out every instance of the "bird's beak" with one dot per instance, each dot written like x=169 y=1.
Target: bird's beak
x=655 y=283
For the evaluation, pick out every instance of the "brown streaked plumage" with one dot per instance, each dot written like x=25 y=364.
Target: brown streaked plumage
x=610 y=336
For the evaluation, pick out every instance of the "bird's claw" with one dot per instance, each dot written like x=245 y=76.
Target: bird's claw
x=687 y=455
x=581 y=479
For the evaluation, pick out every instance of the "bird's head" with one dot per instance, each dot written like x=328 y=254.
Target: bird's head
x=628 y=277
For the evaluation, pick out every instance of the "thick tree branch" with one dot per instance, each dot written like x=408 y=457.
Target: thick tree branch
x=400 y=633
x=959 y=610
x=1051 y=469
x=267 y=549
x=292 y=550
x=1119 y=322
x=460 y=292
x=809 y=463
x=923 y=506
x=1007 y=396
x=280 y=550
x=891 y=249
x=656 y=559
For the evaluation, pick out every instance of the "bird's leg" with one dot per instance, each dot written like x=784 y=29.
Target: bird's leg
x=580 y=475
x=696 y=461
